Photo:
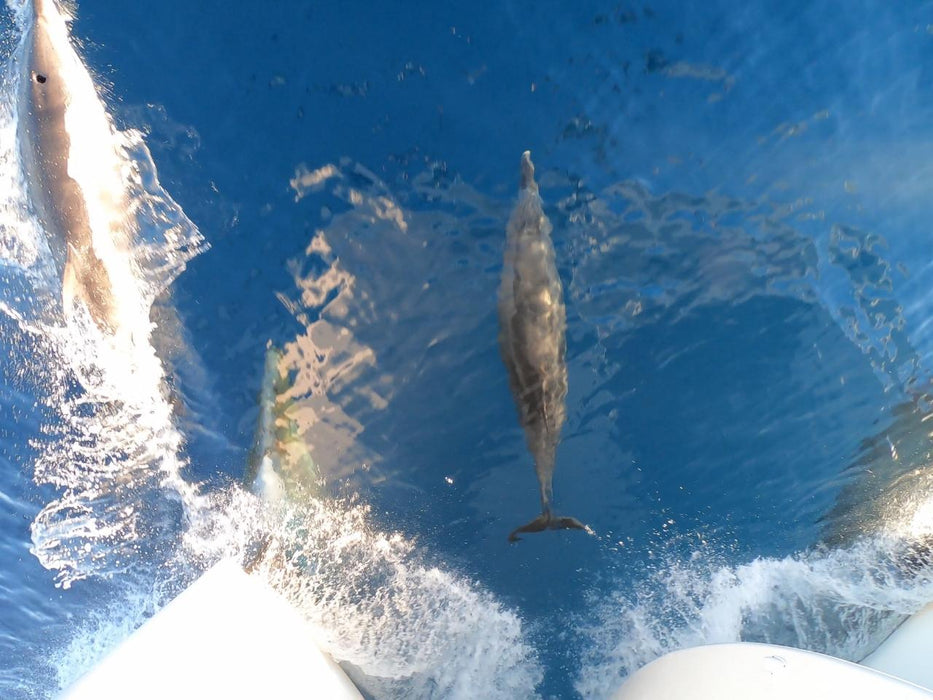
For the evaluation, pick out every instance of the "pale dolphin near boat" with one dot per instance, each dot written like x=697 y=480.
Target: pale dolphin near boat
x=532 y=325
x=280 y=465
x=281 y=469
x=50 y=132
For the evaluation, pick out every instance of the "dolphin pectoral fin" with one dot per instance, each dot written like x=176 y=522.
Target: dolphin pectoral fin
x=542 y=522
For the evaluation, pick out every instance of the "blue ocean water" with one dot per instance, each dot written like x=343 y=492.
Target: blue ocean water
x=739 y=195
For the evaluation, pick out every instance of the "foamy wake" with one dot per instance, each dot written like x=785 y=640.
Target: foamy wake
x=840 y=602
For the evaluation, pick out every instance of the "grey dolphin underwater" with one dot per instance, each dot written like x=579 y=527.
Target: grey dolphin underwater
x=280 y=467
x=45 y=147
x=280 y=464
x=532 y=325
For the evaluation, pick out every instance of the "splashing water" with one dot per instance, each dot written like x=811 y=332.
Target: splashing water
x=402 y=627
x=839 y=602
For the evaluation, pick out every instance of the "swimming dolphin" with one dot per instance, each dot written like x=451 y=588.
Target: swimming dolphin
x=280 y=464
x=46 y=147
x=280 y=468
x=532 y=321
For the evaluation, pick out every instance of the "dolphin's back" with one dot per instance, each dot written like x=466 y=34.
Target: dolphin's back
x=532 y=320
x=44 y=136
x=45 y=149
x=532 y=339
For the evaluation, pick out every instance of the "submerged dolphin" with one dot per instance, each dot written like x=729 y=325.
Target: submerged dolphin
x=45 y=148
x=532 y=321
x=280 y=464
x=281 y=468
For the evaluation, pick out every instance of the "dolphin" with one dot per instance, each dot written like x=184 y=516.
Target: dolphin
x=532 y=323
x=45 y=148
x=280 y=467
x=280 y=464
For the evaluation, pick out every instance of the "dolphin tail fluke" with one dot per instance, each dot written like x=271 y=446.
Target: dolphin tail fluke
x=548 y=521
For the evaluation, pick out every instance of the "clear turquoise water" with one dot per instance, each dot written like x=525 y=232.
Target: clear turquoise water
x=740 y=205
